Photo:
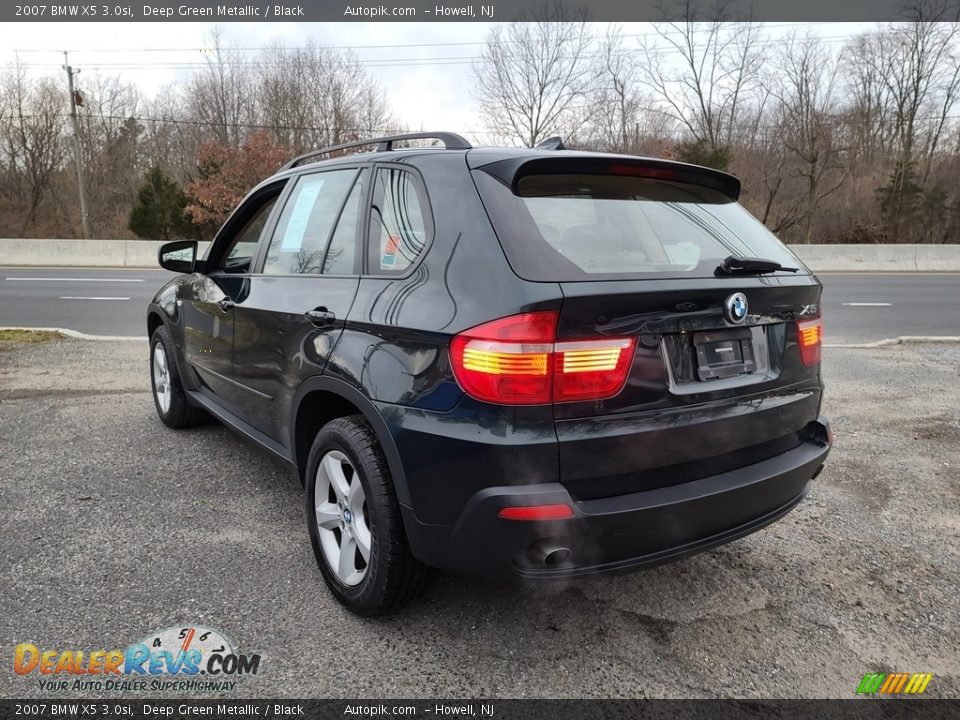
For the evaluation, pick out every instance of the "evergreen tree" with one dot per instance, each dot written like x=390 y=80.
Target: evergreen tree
x=901 y=198
x=159 y=211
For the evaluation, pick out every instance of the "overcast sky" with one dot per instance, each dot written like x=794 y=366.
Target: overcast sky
x=426 y=75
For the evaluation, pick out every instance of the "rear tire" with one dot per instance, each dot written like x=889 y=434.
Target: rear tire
x=169 y=397
x=354 y=521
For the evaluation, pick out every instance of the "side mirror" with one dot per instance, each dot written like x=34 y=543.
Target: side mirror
x=179 y=256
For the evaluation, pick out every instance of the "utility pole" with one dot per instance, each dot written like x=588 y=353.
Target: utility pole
x=76 y=148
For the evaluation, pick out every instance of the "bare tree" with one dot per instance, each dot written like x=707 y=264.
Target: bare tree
x=221 y=94
x=807 y=104
x=763 y=167
x=32 y=136
x=718 y=66
x=312 y=97
x=109 y=136
x=619 y=103
x=536 y=77
x=860 y=145
x=869 y=109
x=917 y=63
x=169 y=139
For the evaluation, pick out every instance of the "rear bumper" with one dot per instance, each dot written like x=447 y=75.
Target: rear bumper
x=615 y=534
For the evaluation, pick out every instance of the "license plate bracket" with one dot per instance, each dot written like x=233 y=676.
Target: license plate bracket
x=724 y=353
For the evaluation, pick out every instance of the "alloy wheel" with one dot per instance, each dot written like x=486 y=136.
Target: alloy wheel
x=341 y=514
x=161 y=378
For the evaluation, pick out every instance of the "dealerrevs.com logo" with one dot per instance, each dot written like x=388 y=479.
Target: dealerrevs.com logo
x=191 y=658
x=894 y=683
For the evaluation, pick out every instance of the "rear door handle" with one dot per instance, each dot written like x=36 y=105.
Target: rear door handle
x=320 y=316
x=226 y=304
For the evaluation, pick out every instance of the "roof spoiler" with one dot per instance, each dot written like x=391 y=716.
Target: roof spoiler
x=509 y=171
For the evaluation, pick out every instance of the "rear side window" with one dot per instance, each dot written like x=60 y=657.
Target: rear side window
x=399 y=222
x=571 y=227
x=299 y=244
x=342 y=252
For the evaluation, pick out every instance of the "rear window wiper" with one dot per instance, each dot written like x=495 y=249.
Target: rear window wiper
x=736 y=265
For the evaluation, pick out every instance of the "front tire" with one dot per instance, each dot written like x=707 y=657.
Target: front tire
x=354 y=521
x=169 y=397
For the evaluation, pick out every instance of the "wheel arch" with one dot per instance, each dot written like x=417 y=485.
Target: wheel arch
x=331 y=398
x=154 y=320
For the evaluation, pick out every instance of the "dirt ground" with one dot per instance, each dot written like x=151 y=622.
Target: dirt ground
x=116 y=526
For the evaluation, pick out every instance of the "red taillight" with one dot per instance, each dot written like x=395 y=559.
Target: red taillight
x=591 y=369
x=644 y=171
x=537 y=512
x=809 y=340
x=508 y=361
x=517 y=361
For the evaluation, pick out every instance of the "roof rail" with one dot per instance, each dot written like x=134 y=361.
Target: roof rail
x=451 y=141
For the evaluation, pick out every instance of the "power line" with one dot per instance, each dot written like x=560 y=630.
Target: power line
x=392 y=46
x=321 y=128
x=370 y=62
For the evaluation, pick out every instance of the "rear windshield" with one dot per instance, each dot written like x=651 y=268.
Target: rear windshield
x=593 y=227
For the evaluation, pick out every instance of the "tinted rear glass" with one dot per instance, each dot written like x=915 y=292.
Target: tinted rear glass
x=589 y=227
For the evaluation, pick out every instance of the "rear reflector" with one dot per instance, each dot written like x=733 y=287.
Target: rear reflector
x=537 y=512
x=517 y=361
x=809 y=339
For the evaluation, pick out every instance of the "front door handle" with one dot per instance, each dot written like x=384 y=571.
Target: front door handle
x=320 y=316
x=226 y=304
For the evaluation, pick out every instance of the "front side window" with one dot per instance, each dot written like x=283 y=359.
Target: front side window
x=300 y=241
x=399 y=222
x=240 y=250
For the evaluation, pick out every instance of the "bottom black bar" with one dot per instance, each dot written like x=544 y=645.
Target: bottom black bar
x=866 y=708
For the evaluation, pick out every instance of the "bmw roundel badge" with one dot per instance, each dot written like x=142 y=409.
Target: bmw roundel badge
x=736 y=308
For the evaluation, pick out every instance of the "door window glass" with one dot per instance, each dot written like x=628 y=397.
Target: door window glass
x=342 y=253
x=242 y=248
x=300 y=239
x=398 y=222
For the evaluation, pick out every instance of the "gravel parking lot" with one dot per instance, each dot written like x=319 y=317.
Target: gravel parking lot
x=116 y=526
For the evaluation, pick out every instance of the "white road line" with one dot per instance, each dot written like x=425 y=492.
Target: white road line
x=868 y=304
x=50 y=279
x=94 y=297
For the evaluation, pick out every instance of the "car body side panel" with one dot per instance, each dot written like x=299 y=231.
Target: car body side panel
x=276 y=348
x=208 y=334
x=394 y=346
x=449 y=456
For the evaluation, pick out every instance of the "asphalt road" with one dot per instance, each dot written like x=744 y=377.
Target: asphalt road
x=857 y=308
x=116 y=526
x=96 y=301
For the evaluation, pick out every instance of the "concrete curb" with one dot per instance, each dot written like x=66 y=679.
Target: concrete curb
x=902 y=340
x=74 y=335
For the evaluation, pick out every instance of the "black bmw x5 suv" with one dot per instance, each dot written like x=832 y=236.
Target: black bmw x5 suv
x=510 y=362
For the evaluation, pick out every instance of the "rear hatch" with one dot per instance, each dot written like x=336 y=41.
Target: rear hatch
x=725 y=362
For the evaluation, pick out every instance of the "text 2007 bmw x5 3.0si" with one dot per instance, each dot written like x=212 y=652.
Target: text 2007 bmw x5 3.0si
x=535 y=363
